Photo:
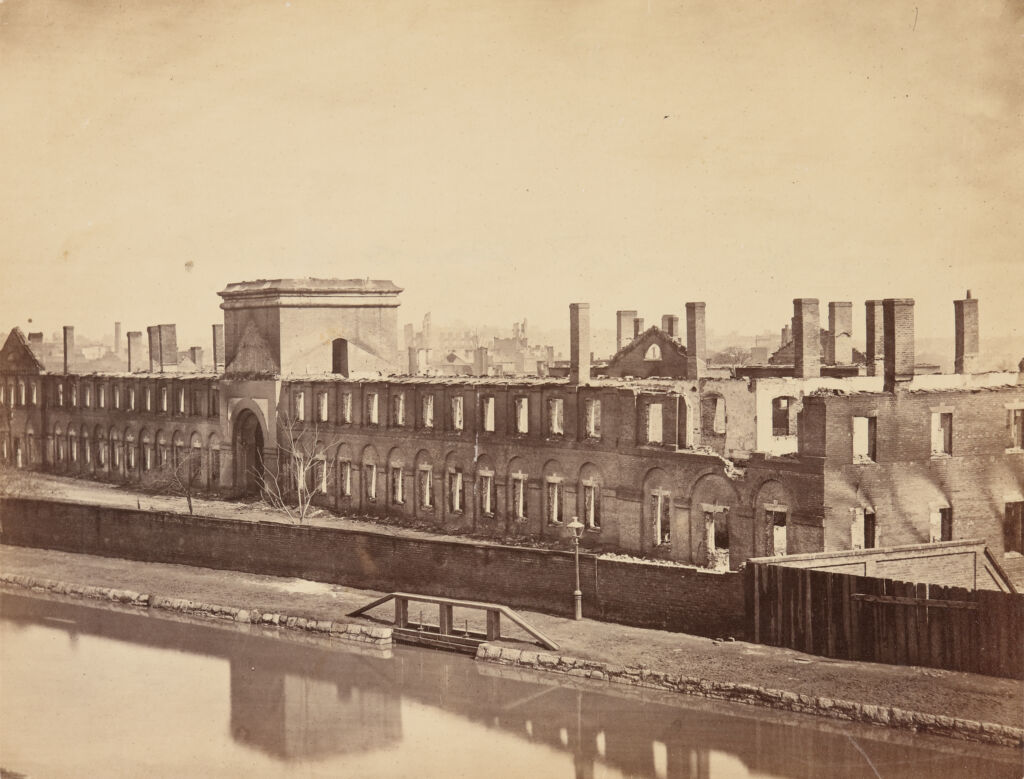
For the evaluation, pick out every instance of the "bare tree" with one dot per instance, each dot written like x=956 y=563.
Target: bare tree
x=182 y=478
x=302 y=463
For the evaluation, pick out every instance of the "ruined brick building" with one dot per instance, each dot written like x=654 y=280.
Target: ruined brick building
x=676 y=462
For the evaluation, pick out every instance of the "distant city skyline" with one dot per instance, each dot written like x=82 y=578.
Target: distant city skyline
x=501 y=160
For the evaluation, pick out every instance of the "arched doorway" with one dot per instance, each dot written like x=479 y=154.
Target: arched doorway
x=248 y=453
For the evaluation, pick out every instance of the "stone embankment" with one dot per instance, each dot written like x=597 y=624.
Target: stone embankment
x=346 y=631
x=641 y=676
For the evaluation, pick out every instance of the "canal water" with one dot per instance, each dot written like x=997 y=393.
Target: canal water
x=93 y=692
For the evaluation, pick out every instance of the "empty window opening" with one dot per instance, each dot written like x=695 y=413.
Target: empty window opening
x=654 y=423
x=942 y=433
x=425 y=477
x=782 y=409
x=554 y=501
x=346 y=408
x=863 y=533
x=372 y=409
x=487 y=413
x=661 y=513
x=775 y=519
x=556 y=416
x=1015 y=420
x=865 y=439
x=456 y=411
x=522 y=407
x=397 y=485
x=398 y=410
x=1013 y=527
x=345 y=478
x=456 y=491
x=321 y=407
x=427 y=411
x=486 y=493
x=653 y=353
x=593 y=417
x=370 y=477
x=519 y=496
x=591 y=507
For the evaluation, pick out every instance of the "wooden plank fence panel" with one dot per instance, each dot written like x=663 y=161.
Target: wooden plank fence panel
x=921 y=623
x=865 y=618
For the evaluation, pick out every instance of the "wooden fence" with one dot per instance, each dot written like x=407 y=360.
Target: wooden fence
x=885 y=621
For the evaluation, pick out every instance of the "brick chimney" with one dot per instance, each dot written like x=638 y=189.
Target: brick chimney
x=218 y=347
x=134 y=350
x=480 y=361
x=696 y=341
x=875 y=336
x=623 y=327
x=163 y=348
x=840 y=332
x=579 y=343
x=35 y=342
x=806 y=338
x=195 y=354
x=898 y=323
x=117 y=338
x=966 y=350
x=69 y=348
x=787 y=335
x=670 y=324
x=638 y=326
x=414 y=360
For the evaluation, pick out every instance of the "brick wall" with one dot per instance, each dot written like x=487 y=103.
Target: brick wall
x=647 y=595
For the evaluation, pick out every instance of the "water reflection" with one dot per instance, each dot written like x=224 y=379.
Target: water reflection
x=297 y=703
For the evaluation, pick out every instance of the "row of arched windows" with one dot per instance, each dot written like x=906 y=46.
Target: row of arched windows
x=125 y=451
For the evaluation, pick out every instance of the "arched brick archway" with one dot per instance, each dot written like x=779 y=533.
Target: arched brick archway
x=247 y=447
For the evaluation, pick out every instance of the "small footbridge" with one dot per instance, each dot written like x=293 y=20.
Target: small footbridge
x=446 y=634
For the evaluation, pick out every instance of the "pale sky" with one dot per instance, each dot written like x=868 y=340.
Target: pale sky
x=503 y=159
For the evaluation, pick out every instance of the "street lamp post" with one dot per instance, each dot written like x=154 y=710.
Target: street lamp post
x=577 y=532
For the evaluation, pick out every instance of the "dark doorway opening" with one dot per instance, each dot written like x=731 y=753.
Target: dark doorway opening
x=248 y=450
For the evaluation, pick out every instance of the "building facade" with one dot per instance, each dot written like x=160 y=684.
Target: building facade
x=700 y=469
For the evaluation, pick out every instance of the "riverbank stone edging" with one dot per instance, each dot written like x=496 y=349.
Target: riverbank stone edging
x=641 y=676
x=346 y=631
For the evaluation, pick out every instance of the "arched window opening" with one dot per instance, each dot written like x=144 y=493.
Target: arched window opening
x=653 y=353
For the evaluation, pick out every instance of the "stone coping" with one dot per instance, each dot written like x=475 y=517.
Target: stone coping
x=642 y=676
x=346 y=631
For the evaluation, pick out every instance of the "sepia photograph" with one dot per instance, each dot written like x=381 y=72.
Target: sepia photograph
x=569 y=389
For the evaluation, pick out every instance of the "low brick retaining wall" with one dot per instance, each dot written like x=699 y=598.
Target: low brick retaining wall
x=681 y=599
x=346 y=631
x=641 y=676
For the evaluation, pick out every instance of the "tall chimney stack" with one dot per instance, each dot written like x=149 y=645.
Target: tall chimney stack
x=195 y=354
x=875 y=331
x=69 y=348
x=134 y=350
x=638 y=326
x=787 y=335
x=670 y=324
x=898 y=323
x=806 y=338
x=840 y=332
x=623 y=327
x=579 y=343
x=117 y=338
x=163 y=348
x=696 y=341
x=480 y=361
x=218 y=347
x=966 y=351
